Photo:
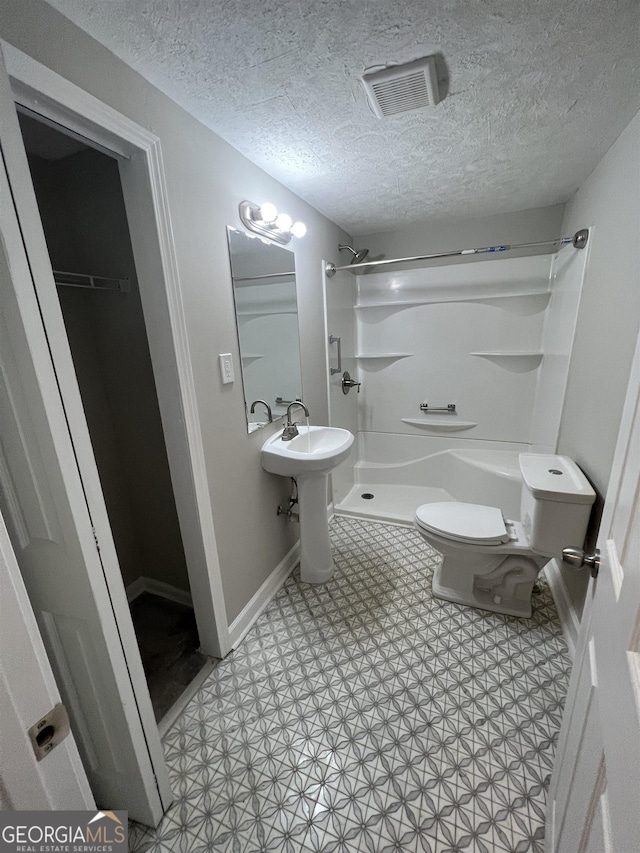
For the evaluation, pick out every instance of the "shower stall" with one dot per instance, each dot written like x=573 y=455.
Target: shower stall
x=463 y=364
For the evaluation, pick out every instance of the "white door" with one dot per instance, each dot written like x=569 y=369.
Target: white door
x=74 y=583
x=594 y=803
x=28 y=692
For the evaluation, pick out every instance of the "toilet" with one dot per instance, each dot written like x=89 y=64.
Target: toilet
x=491 y=562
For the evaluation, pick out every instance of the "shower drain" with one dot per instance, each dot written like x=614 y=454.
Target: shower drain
x=367 y=496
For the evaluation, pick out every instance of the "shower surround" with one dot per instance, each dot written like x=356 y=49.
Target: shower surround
x=492 y=337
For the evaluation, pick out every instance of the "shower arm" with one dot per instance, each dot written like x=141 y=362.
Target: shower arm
x=579 y=241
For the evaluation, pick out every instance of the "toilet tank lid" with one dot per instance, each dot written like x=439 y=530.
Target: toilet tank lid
x=555 y=478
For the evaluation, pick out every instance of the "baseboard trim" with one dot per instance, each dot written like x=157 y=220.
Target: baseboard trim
x=569 y=618
x=166 y=723
x=246 y=618
x=164 y=590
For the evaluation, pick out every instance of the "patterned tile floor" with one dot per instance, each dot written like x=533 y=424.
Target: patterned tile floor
x=365 y=715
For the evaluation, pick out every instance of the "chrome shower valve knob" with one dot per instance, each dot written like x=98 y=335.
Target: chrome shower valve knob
x=348 y=383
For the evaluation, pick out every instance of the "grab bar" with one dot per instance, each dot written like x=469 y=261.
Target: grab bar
x=449 y=409
x=333 y=339
x=281 y=402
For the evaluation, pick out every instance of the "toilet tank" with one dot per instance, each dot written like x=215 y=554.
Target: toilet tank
x=555 y=504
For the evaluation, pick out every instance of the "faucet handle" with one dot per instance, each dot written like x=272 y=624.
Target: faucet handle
x=348 y=383
x=290 y=431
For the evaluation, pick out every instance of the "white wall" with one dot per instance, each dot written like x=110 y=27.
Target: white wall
x=608 y=318
x=206 y=179
x=567 y=277
x=609 y=314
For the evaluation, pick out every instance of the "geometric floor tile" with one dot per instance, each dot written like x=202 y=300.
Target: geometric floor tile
x=364 y=716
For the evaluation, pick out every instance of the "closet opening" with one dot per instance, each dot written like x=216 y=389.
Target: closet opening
x=79 y=195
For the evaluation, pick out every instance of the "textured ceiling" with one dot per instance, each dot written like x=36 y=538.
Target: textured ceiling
x=537 y=91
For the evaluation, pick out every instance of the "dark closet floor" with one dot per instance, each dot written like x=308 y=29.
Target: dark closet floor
x=168 y=641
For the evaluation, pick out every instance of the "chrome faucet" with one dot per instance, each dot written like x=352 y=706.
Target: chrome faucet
x=267 y=407
x=291 y=429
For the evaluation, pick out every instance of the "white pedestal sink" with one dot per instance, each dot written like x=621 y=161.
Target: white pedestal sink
x=309 y=457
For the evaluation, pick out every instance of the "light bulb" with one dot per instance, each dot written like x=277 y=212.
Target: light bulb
x=284 y=222
x=298 y=229
x=268 y=212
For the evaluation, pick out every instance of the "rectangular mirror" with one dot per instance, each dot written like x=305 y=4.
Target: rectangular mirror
x=264 y=292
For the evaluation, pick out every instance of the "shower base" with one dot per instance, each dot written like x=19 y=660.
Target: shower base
x=396 y=503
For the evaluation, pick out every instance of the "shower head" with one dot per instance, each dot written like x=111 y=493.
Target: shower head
x=358 y=254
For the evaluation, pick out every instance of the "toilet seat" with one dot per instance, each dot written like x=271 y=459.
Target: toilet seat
x=473 y=524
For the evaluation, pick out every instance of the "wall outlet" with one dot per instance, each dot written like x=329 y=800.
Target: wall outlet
x=226 y=367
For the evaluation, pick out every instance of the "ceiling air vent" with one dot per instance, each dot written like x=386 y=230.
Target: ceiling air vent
x=402 y=88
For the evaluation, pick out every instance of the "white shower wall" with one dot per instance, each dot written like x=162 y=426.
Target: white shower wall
x=494 y=338
x=568 y=270
x=340 y=293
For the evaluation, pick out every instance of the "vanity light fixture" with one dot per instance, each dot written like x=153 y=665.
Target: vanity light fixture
x=284 y=222
x=265 y=220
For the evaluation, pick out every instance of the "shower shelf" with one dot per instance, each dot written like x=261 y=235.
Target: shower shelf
x=263 y=313
x=396 y=305
x=514 y=362
x=517 y=303
x=383 y=356
x=440 y=425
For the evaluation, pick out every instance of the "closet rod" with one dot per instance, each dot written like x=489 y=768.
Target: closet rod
x=579 y=240
x=91 y=282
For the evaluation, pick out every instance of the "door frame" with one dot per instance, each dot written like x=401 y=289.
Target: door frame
x=139 y=155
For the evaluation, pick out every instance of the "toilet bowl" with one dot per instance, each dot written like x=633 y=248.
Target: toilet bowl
x=491 y=562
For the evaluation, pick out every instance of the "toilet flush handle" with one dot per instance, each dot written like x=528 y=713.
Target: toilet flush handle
x=578 y=559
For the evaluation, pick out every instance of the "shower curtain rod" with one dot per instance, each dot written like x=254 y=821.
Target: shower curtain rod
x=579 y=241
x=265 y=275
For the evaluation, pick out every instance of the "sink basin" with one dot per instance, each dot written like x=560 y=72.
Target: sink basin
x=309 y=457
x=318 y=449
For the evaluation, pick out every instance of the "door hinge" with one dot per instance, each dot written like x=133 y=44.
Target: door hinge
x=95 y=539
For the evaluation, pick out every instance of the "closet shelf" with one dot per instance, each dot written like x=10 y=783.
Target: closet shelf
x=514 y=362
x=450 y=425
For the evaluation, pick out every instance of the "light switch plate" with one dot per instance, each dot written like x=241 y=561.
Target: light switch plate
x=226 y=367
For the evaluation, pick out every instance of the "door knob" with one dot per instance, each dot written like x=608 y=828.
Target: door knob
x=578 y=559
